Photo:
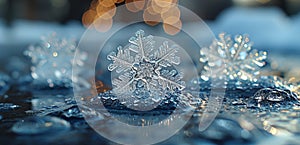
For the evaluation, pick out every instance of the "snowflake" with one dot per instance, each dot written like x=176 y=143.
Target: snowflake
x=145 y=72
x=52 y=61
x=232 y=59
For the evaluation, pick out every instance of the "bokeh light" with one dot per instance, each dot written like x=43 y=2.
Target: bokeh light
x=106 y=12
x=154 y=12
x=103 y=25
x=88 y=17
x=172 y=29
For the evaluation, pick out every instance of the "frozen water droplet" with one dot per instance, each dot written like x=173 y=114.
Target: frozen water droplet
x=73 y=112
x=38 y=125
x=8 y=106
x=273 y=98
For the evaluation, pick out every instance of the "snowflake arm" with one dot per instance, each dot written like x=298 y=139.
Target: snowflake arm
x=166 y=56
x=122 y=61
x=170 y=79
x=141 y=45
x=123 y=84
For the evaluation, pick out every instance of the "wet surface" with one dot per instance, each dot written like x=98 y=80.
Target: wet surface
x=263 y=111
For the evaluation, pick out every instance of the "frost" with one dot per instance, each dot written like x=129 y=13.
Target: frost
x=143 y=71
x=52 y=61
x=232 y=59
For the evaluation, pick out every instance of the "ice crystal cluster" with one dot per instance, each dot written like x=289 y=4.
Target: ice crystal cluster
x=143 y=73
x=52 y=61
x=232 y=58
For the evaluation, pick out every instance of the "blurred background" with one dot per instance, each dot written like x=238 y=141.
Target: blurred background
x=272 y=24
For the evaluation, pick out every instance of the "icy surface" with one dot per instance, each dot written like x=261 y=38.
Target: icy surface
x=38 y=125
x=269 y=28
x=43 y=106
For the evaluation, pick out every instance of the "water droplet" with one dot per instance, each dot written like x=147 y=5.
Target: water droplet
x=273 y=98
x=55 y=54
x=38 y=125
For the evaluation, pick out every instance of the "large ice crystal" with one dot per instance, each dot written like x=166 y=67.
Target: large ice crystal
x=143 y=73
x=52 y=61
x=232 y=58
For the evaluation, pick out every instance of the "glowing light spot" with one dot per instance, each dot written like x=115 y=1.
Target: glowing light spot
x=156 y=8
x=139 y=4
x=48 y=124
x=171 y=20
x=106 y=12
x=173 y=11
x=163 y=3
x=107 y=3
x=151 y=10
x=151 y=19
x=55 y=54
x=172 y=29
x=103 y=25
x=131 y=6
x=88 y=17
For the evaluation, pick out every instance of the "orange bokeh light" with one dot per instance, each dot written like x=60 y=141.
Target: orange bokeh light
x=163 y=3
x=172 y=29
x=101 y=13
x=88 y=17
x=139 y=4
x=103 y=25
x=130 y=6
x=106 y=12
x=150 y=18
x=107 y=3
x=171 y=20
x=173 y=11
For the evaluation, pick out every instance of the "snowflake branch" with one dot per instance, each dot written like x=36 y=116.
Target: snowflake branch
x=166 y=55
x=173 y=83
x=121 y=61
